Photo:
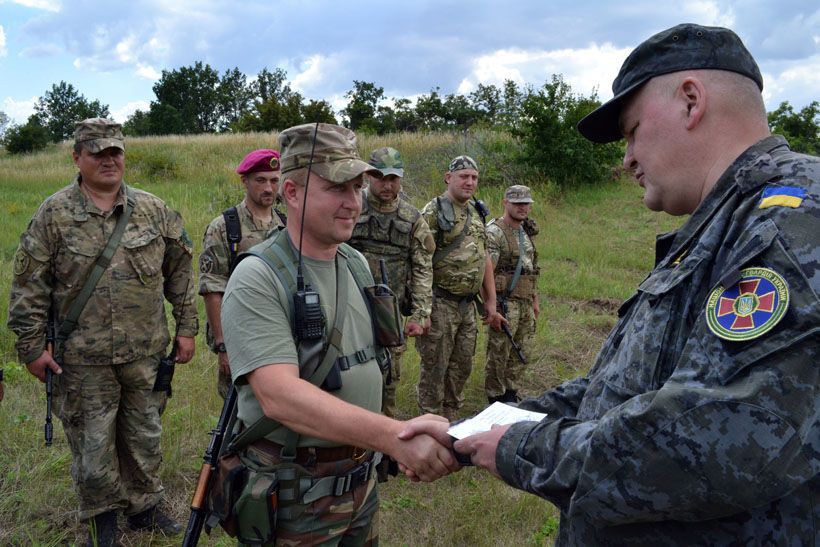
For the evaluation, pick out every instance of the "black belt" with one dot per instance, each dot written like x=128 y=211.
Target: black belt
x=447 y=295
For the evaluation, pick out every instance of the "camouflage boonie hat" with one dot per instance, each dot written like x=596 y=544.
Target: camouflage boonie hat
x=335 y=157
x=387 y=160
x=682 y=47
x=462 y=162
x=518 y=193
x=97 y=134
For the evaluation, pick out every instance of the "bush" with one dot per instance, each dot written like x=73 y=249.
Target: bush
x=551 y=143
x=29 y=137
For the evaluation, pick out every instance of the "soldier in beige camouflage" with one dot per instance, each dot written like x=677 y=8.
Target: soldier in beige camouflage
x=509 y=241
x=390 y=228
x=103 y=384
x=255 y=217
x=461 y=270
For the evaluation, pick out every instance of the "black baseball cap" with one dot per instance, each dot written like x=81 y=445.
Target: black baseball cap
x=682 y=47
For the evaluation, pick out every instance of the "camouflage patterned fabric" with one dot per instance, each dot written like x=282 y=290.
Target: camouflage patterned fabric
x=447 y=350
x=676 y=436
x=503 y=368
x=121 y=329
x=214 y=262
x=396 y=232
x=351 y=519
x=335 y=155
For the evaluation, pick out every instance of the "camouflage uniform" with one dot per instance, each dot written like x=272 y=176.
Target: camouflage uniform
x=447 y=350
x=104 y=397
x=397 y=233
x=503 y=369
x=678 y=436
x=214 y=262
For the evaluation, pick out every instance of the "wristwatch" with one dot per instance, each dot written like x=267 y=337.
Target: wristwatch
x=219 y=348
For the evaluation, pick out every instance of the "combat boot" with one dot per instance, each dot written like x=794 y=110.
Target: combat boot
x=103 y=531
x=154 y=519
x=510 y=396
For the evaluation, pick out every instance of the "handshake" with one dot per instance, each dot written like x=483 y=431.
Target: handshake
x=426 y=452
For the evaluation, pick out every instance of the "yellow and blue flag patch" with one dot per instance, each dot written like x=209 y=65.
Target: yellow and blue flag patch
x=784 y=196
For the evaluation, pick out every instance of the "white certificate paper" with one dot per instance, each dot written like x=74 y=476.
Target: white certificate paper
x=495 y=414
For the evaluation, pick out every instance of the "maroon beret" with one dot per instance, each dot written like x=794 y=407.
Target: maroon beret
x=259 y=160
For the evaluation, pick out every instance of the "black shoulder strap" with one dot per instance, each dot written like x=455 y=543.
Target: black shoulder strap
x=233 y=233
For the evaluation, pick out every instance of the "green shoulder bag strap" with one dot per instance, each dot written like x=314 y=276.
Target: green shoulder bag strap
x=441 y=254
x=70 y=322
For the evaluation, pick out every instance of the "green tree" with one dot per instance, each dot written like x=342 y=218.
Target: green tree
x=235 y=97
x=553 y=145
x=62 y=106
x=486 y=103
x=318 y=111
x=802 y=129
x=190 y=96
x=361 y=109
x=271 y=85
x=430 y=111
x=138 y=124
x=458 y=111
x=29 y=137
x=513 y=99
x=4 y=123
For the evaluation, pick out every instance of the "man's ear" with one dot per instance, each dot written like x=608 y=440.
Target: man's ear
x=289 y=191
x=693 y=93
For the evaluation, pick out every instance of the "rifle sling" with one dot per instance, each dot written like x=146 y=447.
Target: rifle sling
x=520 y=265
x=68 y=324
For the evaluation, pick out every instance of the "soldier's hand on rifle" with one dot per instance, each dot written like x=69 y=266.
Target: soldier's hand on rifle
x=38 y=366
x=495 y=320
x=413 y=329
x=224 y=365
x=185 y=349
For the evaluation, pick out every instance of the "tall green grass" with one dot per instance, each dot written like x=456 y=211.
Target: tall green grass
x=595 y=245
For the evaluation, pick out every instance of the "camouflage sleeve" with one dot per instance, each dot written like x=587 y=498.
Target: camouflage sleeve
x=495 y=242
x=421 y=283
x=31 y=290
x=668 y=454
x=559 y=402
x=179 y=275
x=429 y=215
x=214 y=261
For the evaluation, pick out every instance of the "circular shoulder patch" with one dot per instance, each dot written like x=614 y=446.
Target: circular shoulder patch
x=750 y=308
x=21 y=262
x=206 y=264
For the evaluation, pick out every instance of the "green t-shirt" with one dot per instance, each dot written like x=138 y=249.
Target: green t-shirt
x=257 y=329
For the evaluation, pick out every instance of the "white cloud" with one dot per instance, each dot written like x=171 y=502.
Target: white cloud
x=798 y=84
x=3 y=50
x=47 y=5
x=310 y=74
x=121 y=114
x=148 y=72
x=593 y=67
x=710 y=13
x=19 y=111
x=41 y=50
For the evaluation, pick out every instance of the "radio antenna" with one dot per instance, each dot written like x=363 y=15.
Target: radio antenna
x=300 y=280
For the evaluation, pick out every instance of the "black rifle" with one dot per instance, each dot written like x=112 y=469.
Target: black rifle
x=199 y=505
x=1 y=384
x=506 y=328
x=51 y=348
x=165 y=371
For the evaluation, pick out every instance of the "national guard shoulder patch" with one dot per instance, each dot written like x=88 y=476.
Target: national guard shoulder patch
x=783 y=196
x=749 y=308
x=206 y=263
x=21 y=261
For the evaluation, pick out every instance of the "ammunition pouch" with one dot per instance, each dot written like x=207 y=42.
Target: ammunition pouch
x=384 y=309
x=230 y=479
x=524 y=289
x=257 y=507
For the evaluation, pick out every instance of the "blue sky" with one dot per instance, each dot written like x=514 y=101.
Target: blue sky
x=115 y=51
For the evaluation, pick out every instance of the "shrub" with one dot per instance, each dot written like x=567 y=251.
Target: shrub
x=29 y=137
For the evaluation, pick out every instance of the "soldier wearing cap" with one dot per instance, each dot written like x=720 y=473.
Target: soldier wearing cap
x=462 y=269
x=515 y=263
x=324 y=426
x=698 y=424
x=390 y=228
x=105 y=367
x=236 y=230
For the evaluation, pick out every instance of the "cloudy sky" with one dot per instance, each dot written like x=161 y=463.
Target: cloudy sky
x=115 y=51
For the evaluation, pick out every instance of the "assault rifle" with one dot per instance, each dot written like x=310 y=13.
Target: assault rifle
x=199 y=503
x=502 y=300
x=51 y=348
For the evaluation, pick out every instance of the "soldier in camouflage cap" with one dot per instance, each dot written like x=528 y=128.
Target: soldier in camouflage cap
x=698 y=424
x=462 y=269
x=103 y=384
x=328 y=493
x=251 y=221
x=515 y=262
x=390 y=228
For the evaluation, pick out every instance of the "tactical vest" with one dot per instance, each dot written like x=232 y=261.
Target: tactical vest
x=388 y=236
x=525 y=286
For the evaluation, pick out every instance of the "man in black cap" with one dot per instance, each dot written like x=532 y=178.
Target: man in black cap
x=698 y=423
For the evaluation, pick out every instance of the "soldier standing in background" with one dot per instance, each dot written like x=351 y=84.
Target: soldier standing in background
x=103 y=384
x=390 y=228
x=236 y=230
x=512 y=250
x=461 y=270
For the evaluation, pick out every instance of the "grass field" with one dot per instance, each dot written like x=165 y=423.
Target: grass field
x=595 y=246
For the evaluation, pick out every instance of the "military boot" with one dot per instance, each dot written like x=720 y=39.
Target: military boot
x=510 y=396
x=154 y=519
x=103 y=531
